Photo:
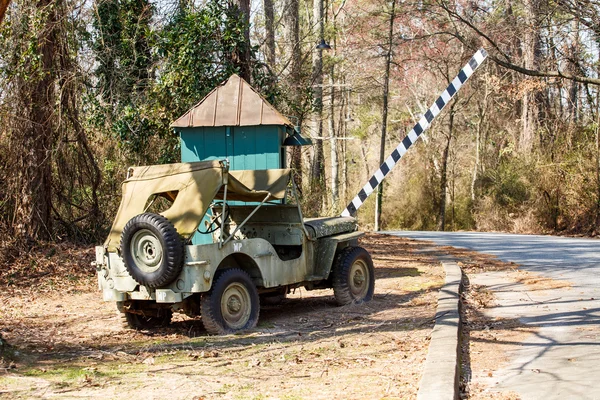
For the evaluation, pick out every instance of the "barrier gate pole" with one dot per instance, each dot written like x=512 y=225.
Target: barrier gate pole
x=421 y=126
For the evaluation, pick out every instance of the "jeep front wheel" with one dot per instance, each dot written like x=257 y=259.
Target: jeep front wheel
x=231 y=305
x=353 y=276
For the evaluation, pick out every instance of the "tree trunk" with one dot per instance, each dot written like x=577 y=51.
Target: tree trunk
x=444 y=172
x=477 y=158
x=479 y=129
x=318 y=166
x=531 y=55
x=32 y=214
x=269 y=32
x=244 y=55
x=597 y=137
x=318 y=163
x=384 y=110
x=344 y=118
x=335 y=179
x=572 y=103
x=291 y=36
x=3 y=346
x=3 y=6
x=363 y=153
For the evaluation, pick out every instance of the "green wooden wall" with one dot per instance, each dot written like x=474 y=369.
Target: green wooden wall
x=246 y=147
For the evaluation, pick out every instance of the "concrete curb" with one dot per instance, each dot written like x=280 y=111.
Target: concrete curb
x=441 y=373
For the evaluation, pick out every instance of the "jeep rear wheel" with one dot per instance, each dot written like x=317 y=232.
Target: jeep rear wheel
x=231 y=305
x=152 y=250
x=353 y=276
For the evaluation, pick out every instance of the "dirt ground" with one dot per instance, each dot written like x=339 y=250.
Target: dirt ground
x=69 y=343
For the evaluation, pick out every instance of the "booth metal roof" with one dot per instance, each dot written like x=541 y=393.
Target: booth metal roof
x=233 y=103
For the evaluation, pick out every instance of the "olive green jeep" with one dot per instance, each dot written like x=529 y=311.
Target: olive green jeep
x=257 y=247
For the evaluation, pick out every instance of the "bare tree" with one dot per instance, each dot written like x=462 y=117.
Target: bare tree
x=384 y=108
x=318 y=163
x=35 y=139
x=333 y=141
x=51 y=166
x=244 y=57
x=291 y=34
x=269 y=32
x=443 y=193
x=333 y=147
x=574 y=68
x=482 y=107
x=585 y=12
x=531 y=61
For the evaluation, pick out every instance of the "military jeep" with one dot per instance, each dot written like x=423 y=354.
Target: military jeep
x=257 y=246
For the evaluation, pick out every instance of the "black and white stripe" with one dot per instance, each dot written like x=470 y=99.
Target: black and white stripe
x=421 y=126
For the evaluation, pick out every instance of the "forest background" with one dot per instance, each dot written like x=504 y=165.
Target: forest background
x=89 y=87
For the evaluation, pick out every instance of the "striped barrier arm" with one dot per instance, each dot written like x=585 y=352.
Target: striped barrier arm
x=454 y=86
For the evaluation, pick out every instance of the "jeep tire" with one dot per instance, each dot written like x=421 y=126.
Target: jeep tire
x=151 y=250
x=353 y=276
x=231 y=305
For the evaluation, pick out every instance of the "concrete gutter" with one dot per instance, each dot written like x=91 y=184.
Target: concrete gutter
x=441 y=373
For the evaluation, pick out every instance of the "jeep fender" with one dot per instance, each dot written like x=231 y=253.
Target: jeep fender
x=328 y=247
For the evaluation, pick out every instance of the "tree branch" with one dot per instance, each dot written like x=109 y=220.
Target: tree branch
x=507 y=63
x=545 y=74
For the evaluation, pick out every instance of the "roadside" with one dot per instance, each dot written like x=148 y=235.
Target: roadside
x=486 y=342
x=72 y=346
x=533 y=327
x=483 y=341
x=490 y=334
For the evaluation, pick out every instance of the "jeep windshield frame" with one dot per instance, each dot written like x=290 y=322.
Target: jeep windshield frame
x=222 y=242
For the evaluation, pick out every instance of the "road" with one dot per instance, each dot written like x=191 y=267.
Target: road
x=561 y=360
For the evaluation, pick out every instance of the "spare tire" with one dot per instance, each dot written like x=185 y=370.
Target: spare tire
x=152 y=250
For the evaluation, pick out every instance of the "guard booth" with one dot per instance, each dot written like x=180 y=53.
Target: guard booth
x=236 y=123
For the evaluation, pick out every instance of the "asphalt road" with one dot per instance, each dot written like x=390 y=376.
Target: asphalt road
x=561 y=360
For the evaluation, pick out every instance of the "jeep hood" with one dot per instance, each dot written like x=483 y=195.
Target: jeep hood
x=329 y=226
x=192 y=187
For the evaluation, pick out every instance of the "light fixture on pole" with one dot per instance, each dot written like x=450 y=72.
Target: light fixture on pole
x=323 y=45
